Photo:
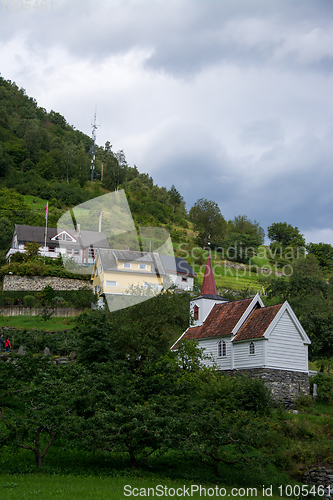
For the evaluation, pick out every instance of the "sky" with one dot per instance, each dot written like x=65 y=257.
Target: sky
x=229 y=100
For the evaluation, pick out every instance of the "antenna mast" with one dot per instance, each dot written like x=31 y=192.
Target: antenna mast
x=93 y=148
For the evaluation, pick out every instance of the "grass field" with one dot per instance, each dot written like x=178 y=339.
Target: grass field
x=35 y=202
x=28 y=322
x=35 y=486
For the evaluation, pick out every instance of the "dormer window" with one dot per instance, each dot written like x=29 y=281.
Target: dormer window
x=127 y=265
x=221 y=349
x=196 y=312
x=142 y=267
x=252 y=349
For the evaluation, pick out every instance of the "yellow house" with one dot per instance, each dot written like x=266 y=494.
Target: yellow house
x=115 y=272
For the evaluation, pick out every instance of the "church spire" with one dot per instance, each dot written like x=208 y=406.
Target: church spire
x=208 y=284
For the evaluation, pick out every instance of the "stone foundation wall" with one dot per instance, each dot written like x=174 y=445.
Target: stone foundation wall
x=319 y=476
x=38 y=283
x=285 y=385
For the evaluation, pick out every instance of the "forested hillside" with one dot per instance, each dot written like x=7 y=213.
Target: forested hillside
x=41 y=155
x=43 y=158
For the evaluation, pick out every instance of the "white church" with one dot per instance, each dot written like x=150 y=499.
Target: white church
x=244 y=335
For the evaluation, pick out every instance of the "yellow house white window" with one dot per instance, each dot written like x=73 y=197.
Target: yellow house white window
x=143 y=267
x=110 y=283
x=127 y=265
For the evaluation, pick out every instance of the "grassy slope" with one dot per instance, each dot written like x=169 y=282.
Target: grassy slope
x=47 y=487
x=28 y=322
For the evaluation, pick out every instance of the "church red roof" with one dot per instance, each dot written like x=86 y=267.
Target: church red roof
x=258 y=322
x=220 y=322
x=208 y=284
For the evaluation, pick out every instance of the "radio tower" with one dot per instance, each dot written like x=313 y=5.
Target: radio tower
x=93 y=148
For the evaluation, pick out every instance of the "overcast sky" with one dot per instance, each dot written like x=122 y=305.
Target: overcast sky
x=229 y=100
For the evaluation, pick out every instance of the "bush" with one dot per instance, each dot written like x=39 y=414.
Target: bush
x=59 y=302
x=324 y=383
x=29 y=300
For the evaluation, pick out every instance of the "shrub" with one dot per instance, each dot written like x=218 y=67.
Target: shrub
x=324 y=383
x=29 y=300
x=58 y=301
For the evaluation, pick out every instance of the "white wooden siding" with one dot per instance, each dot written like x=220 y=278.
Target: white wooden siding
x=285 y=348
x=243 y=358
x=210 y=346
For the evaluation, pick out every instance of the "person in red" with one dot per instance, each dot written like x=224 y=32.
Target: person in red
x=7 y=345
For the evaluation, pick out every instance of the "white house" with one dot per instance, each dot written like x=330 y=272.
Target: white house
x=79 y=245
x=178 y=271
x=268 y=342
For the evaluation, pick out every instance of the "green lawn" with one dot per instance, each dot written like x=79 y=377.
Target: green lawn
x=35 y=202
x=28 y=322
x=35 y=486
x=234 y=279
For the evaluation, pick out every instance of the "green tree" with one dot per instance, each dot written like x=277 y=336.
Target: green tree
x=38 y=403
x=6 y=233
x=285 y=234
x=287 y=243
x=208 y=221
x=323 y=253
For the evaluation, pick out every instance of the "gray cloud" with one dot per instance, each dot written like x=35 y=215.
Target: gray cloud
x=228 y=100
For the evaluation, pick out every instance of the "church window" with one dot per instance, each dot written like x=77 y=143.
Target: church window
x=196 y=312
x=252 y=349
x=221 y=349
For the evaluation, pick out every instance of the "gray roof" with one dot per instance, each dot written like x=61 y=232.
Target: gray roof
x=84 y=239
x=93 y=238
x=177 y=265
x=27 y=234
x=210 y=296
x=130 y=255
x=109 y=260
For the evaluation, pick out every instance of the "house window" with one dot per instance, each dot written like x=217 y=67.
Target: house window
x=221 y=349
x=184 y=279
x=196 y=312
x=110 y=283
x=91 y=253
x=127 y=265
x=51 y=249
x=252 y=349
x=76 y=252
x=143 y=267
x=69 y=251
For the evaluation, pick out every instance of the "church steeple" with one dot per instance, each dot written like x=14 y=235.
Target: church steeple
x=208 y=284
x=202 y=305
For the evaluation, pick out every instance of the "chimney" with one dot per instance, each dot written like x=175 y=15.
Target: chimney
x=100 y=223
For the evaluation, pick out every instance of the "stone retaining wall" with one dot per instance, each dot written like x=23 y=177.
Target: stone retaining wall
x=320 y=476
x=38 y=283
x=285 y=385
